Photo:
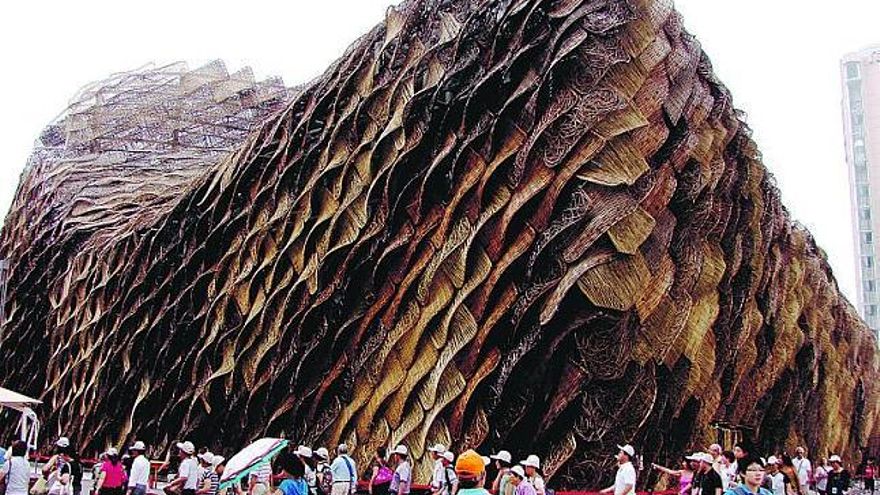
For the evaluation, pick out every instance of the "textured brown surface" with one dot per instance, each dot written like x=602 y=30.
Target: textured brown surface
x=527 y=224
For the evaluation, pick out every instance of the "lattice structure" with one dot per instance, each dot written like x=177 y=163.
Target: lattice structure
x=530 y=224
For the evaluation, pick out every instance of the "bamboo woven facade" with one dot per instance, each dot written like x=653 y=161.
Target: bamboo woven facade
x=523 y=224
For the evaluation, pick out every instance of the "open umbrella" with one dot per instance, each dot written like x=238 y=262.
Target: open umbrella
x=249 y=458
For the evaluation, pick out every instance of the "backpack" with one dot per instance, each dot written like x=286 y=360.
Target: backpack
x=325 y=487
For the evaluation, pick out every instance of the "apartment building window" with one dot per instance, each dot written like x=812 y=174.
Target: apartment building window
x=868 y=237
x=865 y=214
x=871 y=309
x=861 y=173
x=868 y=286
x=868 y=262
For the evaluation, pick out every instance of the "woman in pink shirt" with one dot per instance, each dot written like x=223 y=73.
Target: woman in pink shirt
x=112 y=478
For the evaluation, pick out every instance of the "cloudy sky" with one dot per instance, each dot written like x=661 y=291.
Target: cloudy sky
x=779 y=58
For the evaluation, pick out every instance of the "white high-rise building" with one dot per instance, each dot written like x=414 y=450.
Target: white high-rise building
x=860 y=76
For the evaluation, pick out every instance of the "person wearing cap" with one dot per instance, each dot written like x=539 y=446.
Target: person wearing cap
x=715 y=450
x=774 y=480
x=401 y=482
x=471 y=472
x=139 y=478
x=450 y=479
x=112 y=479
x=58 y=470
x=209 y=481
x=531 y=466
x=519 y=482
x=305 y=455
x=438 y=471
x=187 y=480
x=344 y=472
x=752 y=477
x=838 y=478
x=322 y=471
x=625 y=479
x=710 y=480
x=502 y=485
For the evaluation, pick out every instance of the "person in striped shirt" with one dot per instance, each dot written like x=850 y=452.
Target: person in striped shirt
x=209 y=480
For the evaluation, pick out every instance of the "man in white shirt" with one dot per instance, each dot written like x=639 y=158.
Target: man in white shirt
x=625 y=480
x=402 y=480
x=531 y=466
x=438 y=474
x=803 y=469
x=188 y=474
x=344 y=472
x=139 y=478
x=777 y=479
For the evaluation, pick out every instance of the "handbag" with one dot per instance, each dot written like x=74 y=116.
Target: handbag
x=41 y=486
x=384 y=475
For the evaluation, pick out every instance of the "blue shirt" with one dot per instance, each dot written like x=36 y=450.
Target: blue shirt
x=294 y=487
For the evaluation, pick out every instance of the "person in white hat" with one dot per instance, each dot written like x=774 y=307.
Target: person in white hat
x=625 y=480
x=450 y=479
x=59 y=469
x=323 y=472
x=402 y=480
x=531 y=466
x=209 y=480
x=502 y=485
x=139 y=478
x=838 y=478
x=438 y=471
x=187 y=480
x=775 y=478
x=519 y=482
x=710 y=480
x=111 y=481
x=306 y=456
x=344 y=472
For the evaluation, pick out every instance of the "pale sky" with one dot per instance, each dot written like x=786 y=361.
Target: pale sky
x=778 y=57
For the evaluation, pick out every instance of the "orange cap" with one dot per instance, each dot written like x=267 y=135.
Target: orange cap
x=469 y=464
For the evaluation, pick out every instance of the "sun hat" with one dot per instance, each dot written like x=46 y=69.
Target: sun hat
x=533 y=461
x=400 y=450
x=469 y=464
x=627 y=449
x=449 y=456
x=437 y=448
x=322 y=453
x=63 y=442
x=835 y=458
x=218 y=459
x=772 y=460
x=112 y=451
x=303 y=451
x=138 y=446
x=693 y=457
x=519 y=471
x=502 y=455
x=187 y=447
x=207 y=458
x=706 y=457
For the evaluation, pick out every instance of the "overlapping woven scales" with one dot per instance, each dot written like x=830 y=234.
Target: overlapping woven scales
x=537 y=225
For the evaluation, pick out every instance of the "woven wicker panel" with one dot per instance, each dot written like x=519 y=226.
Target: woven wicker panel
x=535 y=225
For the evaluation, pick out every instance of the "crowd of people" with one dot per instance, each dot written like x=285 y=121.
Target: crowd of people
x=739 y=471
x=303 y=471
